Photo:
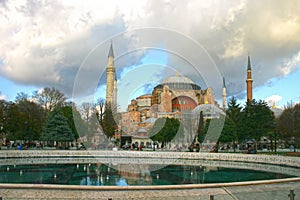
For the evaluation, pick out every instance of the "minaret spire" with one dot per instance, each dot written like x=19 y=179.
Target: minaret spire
x=249 y=81
x=111 y=82
x=111 y=51
x=249 y=63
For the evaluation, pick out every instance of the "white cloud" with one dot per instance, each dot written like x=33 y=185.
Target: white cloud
x=235 y=46
x=290 y=64
x=273 y=100
x=2 y=97
x=43 y=43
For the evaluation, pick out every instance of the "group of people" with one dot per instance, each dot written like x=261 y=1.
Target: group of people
x=140 y=147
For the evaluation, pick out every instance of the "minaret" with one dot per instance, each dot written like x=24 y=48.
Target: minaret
x=110 y=78
x=115 y=92
x=249 y=81
x=224 y=94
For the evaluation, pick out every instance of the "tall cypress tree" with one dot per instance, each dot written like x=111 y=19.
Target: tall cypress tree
x=201 y=131
x=109 y=123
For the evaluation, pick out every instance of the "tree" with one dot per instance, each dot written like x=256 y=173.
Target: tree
x=289 y=124
x=100 y=110
x=164 y=130
x=258 y=120
x=34 y=116
x=227 y=134
x=14 y=122
x=2 y=112
x=232 y=130
x=23 y=119
x=87 y=113
x=2 y=121
x=73 y=116
x=109 y=121
x=201 y=131
x=21 y=96
x=296 y=123
x=49 y=98
x=57 y=127
x=86 y=110
x=35 y=119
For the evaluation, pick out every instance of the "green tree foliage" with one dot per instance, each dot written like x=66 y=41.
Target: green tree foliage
x=232 y=130
x=35 y=119
x=109 y=123
x=2 y=121
x=2 y=112
x=164 y=130
x=24 y=120
x=57 y=127
x=207 y=123
x=73 y=116
x=258 y=119
x=14 y=125
x=201 y=128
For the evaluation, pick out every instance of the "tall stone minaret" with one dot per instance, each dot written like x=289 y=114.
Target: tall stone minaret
x=224 y=94
x=111 y=81
x=114 y=97
x=249 y=81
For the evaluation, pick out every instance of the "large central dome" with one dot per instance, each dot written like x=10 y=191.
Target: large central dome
x=179 y=82
x=177 y=79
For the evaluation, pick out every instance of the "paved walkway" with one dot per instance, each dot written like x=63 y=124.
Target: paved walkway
x=262 y=192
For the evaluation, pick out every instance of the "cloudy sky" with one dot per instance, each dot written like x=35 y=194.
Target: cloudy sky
x=65 y=44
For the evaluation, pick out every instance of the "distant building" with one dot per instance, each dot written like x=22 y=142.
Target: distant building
x=175 y=97
x=277 y=111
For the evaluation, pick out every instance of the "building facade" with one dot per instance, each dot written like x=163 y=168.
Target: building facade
x=175 y=97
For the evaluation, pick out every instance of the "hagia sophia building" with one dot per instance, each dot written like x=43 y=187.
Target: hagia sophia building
x=176 y=96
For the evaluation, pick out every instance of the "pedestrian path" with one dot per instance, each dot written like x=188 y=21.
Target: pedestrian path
x=262 y=192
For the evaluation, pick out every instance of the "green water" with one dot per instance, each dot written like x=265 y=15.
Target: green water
x=101 y=174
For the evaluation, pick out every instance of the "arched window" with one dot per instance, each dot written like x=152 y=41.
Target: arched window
x=183 y=103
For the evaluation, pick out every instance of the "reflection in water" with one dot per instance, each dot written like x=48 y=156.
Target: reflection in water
x=131 y=174
x=121 y=182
